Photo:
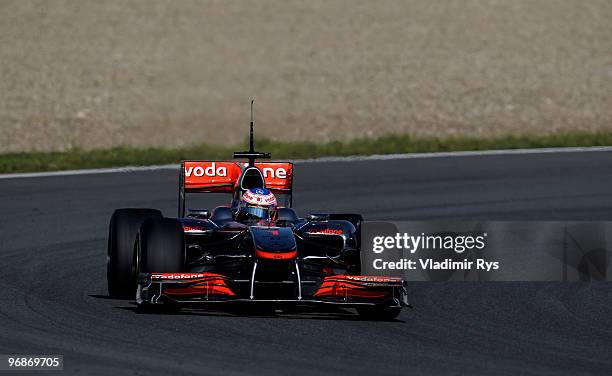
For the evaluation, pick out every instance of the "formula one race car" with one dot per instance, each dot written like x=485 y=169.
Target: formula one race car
x=254 y=250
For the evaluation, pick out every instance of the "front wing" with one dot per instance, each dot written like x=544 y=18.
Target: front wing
x=205 y=287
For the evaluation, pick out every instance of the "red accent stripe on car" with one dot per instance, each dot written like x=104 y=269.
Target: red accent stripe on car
x=276 y=256
x=346 y=286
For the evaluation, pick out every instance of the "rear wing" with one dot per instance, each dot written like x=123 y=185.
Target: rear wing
x=226 y=176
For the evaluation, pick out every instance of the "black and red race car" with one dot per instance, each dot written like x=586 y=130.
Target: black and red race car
x=202 y=258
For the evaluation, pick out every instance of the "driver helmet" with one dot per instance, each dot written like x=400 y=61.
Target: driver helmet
x=257 y=203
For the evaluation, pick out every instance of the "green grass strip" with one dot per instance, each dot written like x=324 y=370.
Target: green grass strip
x=124 y=156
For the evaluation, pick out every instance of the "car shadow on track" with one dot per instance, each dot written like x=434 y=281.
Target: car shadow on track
x=247 y=311
x=344 y=315
x=100 y=296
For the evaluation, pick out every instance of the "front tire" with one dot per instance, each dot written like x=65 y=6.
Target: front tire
x=161 y=243
x=160 y=249
x=124 y=225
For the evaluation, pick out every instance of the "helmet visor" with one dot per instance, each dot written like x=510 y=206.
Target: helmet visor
x=257 y=211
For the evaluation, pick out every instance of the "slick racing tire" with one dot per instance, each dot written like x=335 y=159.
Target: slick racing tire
x=161 y=246
x=120 y=271
x=378 y=313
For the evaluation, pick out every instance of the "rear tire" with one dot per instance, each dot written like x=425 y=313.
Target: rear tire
x=120 y=272
x=378 y=313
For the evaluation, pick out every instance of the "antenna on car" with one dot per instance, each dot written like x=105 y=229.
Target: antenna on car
x=251 y=155
x=251 y=139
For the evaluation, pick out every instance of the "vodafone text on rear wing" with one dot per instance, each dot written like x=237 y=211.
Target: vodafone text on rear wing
x=232 y=177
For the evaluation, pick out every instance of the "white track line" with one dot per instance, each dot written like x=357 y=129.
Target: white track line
x=91 y=171
x=443 y=154
x=356 y=158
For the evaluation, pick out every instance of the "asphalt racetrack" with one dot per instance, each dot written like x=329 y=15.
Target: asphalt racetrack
x=53 y=297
